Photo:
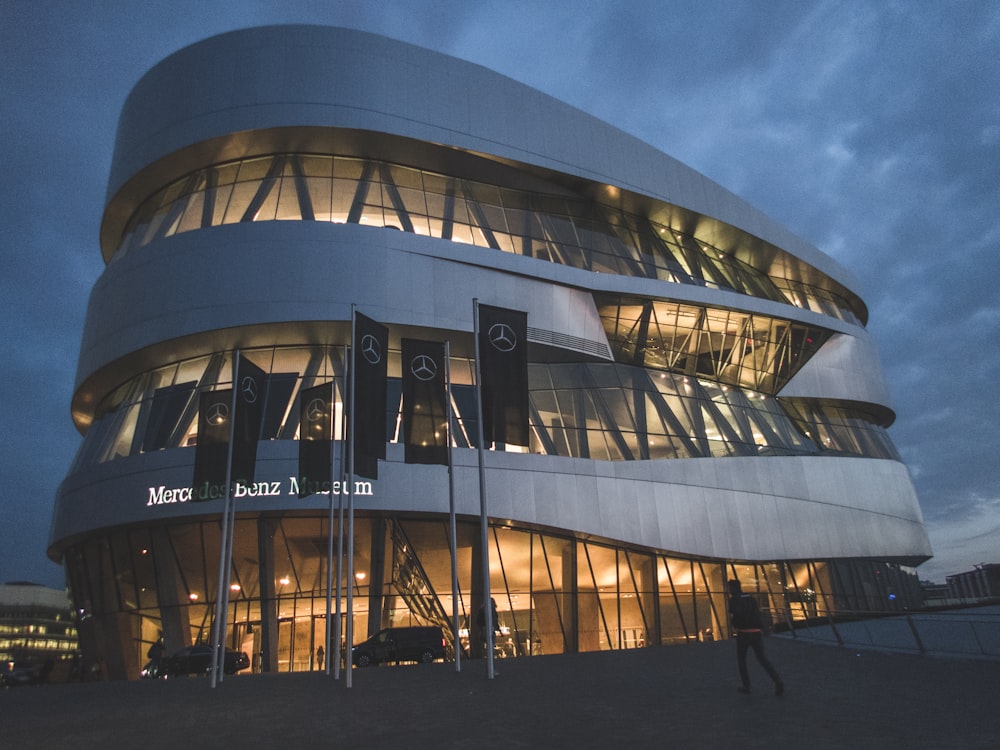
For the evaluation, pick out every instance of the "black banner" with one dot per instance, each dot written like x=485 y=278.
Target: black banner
x=315 y=439
x=503 y=355
x=210 y=453
x=251 y=382
x=425 y=404
x=370 y=363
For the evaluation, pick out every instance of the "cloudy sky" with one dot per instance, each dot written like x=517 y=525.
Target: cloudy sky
x=869 y=128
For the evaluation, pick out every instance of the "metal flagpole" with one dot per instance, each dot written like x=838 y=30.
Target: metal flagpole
x=329 y=546
x=345 y=443
x=229 y=546
x=224 y=564
x=329 y=570
x=227 y=587
x=483 y=516
x=352 y=418
x=453 y=533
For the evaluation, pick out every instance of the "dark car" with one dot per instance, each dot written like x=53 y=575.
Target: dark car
x=198 y=660
x=12 y=676
x=419 y=644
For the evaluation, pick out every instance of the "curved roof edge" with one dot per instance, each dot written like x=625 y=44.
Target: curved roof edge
x=299 y=75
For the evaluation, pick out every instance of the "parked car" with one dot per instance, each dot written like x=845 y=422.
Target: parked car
x=154 y=669
x=13 y=676
x=198 y=660
x=419 y=644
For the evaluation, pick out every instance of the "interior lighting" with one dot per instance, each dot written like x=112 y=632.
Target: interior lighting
x=193 y=597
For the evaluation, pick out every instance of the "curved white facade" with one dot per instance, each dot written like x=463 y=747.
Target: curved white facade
x=702 y=385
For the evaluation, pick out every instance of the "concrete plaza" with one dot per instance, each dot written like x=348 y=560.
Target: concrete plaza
x=667 y=696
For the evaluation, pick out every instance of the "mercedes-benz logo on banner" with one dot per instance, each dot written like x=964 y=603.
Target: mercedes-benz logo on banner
x=423 y=367
x=371 y=349
x=502 y=337
x=248 y=387
x=316 y=410
x=218 y=413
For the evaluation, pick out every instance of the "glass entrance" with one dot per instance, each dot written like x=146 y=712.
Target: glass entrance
x=299 y=643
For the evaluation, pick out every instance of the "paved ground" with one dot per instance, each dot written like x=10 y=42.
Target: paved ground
x=670 y=696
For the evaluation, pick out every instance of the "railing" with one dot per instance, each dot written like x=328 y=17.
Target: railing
x=968 y=633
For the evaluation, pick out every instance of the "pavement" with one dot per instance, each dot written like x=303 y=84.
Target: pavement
x=678 y=696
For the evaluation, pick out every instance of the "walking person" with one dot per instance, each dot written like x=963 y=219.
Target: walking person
x=488 y=638
x=155 y=655
x=746 y=621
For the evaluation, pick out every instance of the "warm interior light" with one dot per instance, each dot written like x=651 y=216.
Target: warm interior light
x=360 y=576
x=283 y=580
x=193 y=597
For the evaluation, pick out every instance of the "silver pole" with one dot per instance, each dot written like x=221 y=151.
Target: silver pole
x=337 y=625
x=227 y=588
x=327 y=642
x=223 y=544
x=483 y=515
x=348 y=681
x=340 y=516
x=453 y=530
x=329 y=573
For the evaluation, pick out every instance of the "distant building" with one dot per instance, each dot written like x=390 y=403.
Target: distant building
x=978 y=584
x=705 y=399
x=37 y=630
x=935 y=594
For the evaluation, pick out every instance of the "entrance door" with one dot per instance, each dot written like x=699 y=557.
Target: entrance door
x=286 y=629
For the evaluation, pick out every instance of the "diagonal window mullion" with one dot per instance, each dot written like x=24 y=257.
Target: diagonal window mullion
x=448 y=220
x=302 y=189
x=361 y=194
x=268 y=183
x=208 y=202
x=395 y=198
x=554 y=591
x=672 y=425
x=476 y=209
x=597 y=593
x=177 y=208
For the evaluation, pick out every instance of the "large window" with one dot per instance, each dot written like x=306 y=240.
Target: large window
x=735 y=348
x=604 y=411
x=556 y=227
x=554 y=594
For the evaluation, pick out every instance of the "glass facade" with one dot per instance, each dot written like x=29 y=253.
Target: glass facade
x=554 y=227
x=731 y=347
x=555 y=594
x=605 y=411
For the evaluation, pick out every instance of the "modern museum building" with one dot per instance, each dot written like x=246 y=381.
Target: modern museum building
x=704 y=400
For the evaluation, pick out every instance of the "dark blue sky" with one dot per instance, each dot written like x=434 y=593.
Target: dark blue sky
x=871 y=129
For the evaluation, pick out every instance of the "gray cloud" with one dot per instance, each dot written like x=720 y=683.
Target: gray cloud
x=871 y=129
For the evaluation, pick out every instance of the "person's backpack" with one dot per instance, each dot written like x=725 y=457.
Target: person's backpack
x=746 y=615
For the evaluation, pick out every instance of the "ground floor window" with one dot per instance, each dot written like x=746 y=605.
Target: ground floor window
x=554 y=593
